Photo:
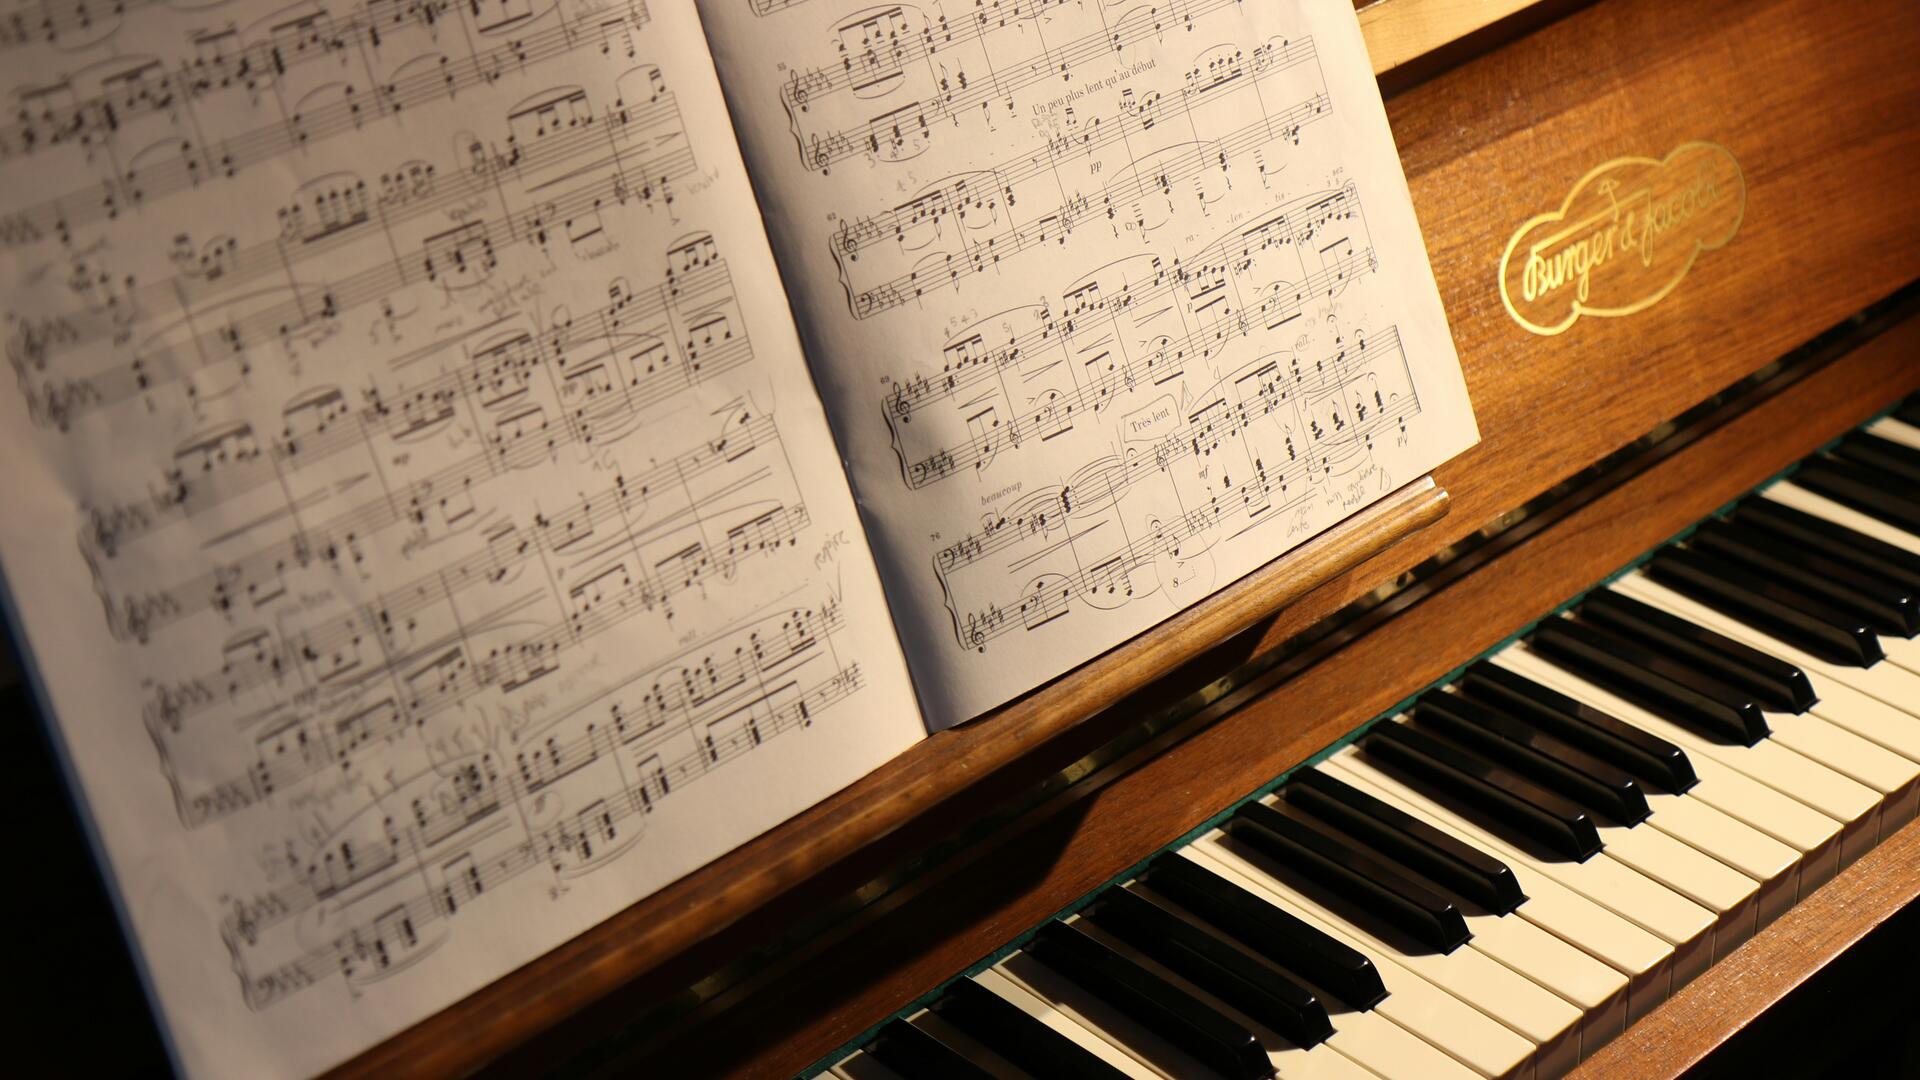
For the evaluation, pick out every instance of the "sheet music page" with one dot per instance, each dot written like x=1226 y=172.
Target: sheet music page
x=1111 y=301
x=422 y=519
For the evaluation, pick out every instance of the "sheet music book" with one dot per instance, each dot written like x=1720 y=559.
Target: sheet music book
x=471 y=463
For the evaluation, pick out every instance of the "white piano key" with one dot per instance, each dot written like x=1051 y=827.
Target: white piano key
x=1902 y=653
x=1847 y=731
x=1646 y=903
x=1854 y=805
x=1540 y=1017
x=964 y=1044
x=1888 y=684
x=1070 y=1027
x=1465 y=1033
x=1321 y=1062
x=1758 y=856
x=1596 y=990
x=1086 y=1008
x=1599 y=992
x=1588 y=985
x=1894 y=430
x=861 y=1066
x=1712 y=884
x=1732 y=896
x=1638 y=956
x=1791 y=494
x=1775 y=865
x=1787 y=820
x=1885 y=723
x=1389 y=1050
x=1893 y=776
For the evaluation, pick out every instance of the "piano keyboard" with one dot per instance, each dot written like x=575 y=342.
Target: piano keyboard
x=1533 y=855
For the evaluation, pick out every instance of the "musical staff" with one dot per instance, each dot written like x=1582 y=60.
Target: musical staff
x=441 y=460
x=444 y=671
x=640 y=172
x=875 y=58
x=617 y=758
x=429 y=488
x=252 y=581
x=1092 y=263
x=328 y=217
x=318 y=428
x=98 y=121
x=984 y=192
x=1110 y=203
x=1067 y=364
x=1278 y=425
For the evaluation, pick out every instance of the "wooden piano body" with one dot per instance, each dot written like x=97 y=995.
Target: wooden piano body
x=796 y=943
x=789 y=947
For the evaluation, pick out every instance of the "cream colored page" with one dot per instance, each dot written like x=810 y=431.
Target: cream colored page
x=1112 y=301
x=422 y=517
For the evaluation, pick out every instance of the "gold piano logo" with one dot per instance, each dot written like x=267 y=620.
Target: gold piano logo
x=1624 y=239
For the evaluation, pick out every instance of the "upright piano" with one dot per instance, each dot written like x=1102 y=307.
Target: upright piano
x=1605 y=765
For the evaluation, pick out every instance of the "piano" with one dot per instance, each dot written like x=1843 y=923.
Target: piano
x=1609 y=771
x=1502 y=875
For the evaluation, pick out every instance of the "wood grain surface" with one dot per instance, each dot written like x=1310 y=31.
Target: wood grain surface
x=967 y=915
x=1819 y=103
x=1399 y=31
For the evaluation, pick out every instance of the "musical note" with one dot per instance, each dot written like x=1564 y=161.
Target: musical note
x=398 y=367
x=426 y=400
x=333 y=222
x=930 y=268
x=1254 y=449
x=674 y=724
x=1067 y=372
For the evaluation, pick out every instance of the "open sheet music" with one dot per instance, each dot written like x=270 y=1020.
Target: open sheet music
x=1110 y=302
x=438 y=513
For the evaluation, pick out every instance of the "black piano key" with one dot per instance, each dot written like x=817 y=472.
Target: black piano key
x=1863 y=488
x=1885 y=605
x=1503 y=797
x=1866 y=448
x=1211 y=964
x=1438 y=856
x=1290 y=943
x=1775 y=683
x=913 y=1053
x=1655 y=680
x=1767 y=605
x=1646 y=756
x=1195 y=1028
x=1908 y=411
x=1536 y=755
x=1348 y=870
x=1022 y=1039
x=1831 y=539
